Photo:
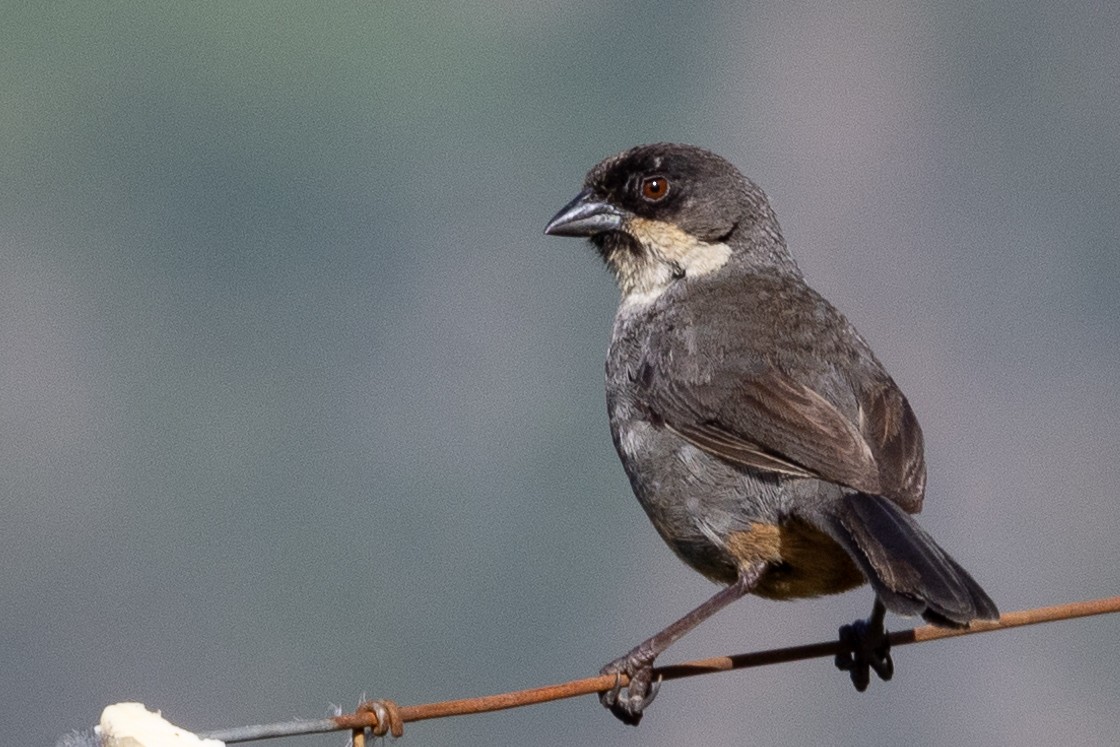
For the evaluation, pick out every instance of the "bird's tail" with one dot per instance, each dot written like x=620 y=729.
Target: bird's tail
x=908 y=570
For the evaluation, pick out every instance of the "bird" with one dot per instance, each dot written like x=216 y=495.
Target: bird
x=769 y=447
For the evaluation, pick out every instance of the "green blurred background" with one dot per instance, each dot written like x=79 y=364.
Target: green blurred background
x=297 y=404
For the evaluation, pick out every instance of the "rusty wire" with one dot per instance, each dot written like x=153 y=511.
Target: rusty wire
x=386 y=717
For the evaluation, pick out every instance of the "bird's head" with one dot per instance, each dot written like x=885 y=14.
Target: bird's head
x=664 y=213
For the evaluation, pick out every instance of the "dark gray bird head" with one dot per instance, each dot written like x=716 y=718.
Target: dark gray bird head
x=665 y=212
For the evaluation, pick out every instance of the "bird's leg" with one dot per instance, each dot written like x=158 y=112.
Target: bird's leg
x=638 y=663
x=866 y=647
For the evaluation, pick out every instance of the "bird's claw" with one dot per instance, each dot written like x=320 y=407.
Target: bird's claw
x=640 y=690
x=866 y=648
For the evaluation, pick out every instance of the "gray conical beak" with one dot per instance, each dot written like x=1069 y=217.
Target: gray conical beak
x=586 y=215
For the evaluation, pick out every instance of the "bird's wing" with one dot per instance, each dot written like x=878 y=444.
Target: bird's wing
x=891 y=429
x=747 y=411
x=768 y=421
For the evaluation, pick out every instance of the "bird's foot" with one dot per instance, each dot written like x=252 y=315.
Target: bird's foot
x=640 y=691
x=866 y=648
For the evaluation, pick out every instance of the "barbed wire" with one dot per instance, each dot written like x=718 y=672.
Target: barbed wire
x=383 y=717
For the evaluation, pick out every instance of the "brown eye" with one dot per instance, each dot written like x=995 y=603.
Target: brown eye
x=654 y=188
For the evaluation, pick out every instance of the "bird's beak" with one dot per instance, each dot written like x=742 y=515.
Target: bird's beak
x=586 y=215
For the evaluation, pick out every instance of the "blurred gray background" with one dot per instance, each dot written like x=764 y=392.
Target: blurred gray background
x=297 y=404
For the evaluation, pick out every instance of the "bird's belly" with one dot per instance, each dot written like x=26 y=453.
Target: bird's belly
x=802 y=560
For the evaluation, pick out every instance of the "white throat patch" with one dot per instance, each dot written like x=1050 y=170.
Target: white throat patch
x=668 y=254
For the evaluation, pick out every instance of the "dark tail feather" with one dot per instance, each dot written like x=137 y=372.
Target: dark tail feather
x=908 y=570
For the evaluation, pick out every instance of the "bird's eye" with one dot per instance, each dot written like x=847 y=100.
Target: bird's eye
x=654 y=188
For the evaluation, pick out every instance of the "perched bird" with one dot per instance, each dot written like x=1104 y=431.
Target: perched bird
x=765 y=441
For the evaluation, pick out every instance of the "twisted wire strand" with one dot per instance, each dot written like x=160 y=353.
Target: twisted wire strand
x=386 y=717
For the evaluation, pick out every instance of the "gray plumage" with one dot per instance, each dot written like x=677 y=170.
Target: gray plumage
x=759 y=431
